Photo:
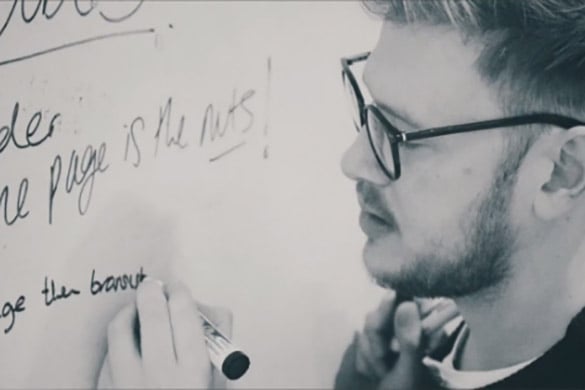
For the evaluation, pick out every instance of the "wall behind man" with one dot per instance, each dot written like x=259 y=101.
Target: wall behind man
x=190 y=140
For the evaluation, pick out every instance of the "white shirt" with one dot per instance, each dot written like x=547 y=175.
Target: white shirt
x=448 y=376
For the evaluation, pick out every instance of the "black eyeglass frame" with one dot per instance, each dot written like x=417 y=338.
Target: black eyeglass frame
x=395 y=136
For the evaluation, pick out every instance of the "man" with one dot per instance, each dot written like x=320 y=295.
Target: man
x=487 y=207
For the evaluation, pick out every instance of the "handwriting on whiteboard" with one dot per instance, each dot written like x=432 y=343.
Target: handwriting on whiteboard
x=31 y=12
x=54 y=291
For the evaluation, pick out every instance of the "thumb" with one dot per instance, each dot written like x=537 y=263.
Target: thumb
x=408 y=332
x=408 y=328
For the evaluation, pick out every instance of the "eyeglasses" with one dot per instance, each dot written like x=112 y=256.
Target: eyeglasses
x=385 y=138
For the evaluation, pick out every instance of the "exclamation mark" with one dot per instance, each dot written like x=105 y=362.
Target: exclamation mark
x=267 y=113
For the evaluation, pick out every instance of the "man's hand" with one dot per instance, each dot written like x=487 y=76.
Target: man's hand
x=375 y=358
x=171 y=352
x=389 y=350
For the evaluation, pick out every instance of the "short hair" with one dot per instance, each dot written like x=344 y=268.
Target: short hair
x=533 y=50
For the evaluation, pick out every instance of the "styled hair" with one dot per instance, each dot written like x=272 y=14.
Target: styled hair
x=533 y=51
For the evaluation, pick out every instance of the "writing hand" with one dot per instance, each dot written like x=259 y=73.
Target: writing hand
x=171 y=352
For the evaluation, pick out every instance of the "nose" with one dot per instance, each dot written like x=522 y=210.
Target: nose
x=359 y=163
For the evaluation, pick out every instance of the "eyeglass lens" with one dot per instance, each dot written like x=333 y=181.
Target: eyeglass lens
x=353 y=102
x=377 y=135
x=380 y=142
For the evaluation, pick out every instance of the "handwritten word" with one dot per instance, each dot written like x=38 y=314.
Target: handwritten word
x=50 y=9
x=225 y=128
x=268 y=88
x=213 y=127
x=166 y=134
x=114 y=283
x=79 y=174
x=51 y=295
x=19 y=212
x=131 y=137
x=8 y=132
x=165 y=118
x=10 y=310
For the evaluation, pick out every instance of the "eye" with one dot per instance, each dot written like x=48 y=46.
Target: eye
x=412 y=145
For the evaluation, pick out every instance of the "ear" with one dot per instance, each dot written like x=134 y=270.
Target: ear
x=566 y=182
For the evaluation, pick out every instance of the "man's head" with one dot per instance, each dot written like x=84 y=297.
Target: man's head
x=468 y=206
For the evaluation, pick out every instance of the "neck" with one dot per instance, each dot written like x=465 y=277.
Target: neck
x=520 y=319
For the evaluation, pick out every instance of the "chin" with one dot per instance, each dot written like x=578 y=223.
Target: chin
x=391 y=268
x=382 y=262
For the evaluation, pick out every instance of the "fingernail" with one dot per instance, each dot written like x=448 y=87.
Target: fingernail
x=161 y=285
x=407 y=326
x=406 y=315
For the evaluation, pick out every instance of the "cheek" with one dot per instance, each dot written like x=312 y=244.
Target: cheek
x=436 y=195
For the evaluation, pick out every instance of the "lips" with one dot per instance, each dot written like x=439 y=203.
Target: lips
x=375 y=227
x=375 y=221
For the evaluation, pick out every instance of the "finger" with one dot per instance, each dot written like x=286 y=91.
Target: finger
x=156 y=337
x=187 y=331
x=438 y=318
x=378 y=325
x=436 y=340
x=362 y=367
x=394 y=345
x=123 y=356
x=221 y=317
x=105 y=376
x=408 y=330
x=380 y=319
x=407 y=327
x=427 y=305
x=366 y=363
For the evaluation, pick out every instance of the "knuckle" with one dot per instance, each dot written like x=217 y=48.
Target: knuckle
x=360 y=366
x=362 y=344
x=371 y=322
x=386 y=302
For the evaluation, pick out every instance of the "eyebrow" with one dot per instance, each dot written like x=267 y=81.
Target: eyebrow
x=398 y=114
x=401 y=115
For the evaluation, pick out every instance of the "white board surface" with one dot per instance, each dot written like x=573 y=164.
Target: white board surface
x=190 y=140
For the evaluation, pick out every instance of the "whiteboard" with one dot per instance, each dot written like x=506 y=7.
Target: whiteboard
x=190 y=140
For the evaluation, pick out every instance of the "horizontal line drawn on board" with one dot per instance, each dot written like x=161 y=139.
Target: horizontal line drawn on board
x=77 y=43
x=223 y=154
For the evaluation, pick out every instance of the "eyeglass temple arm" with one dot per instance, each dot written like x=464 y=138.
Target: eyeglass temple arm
x=356 y=58
x=549 y=119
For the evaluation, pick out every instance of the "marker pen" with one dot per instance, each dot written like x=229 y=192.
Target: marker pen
x=225 y=356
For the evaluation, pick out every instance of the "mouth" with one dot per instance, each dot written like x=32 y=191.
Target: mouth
x=375 y=227
x=374 y=221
